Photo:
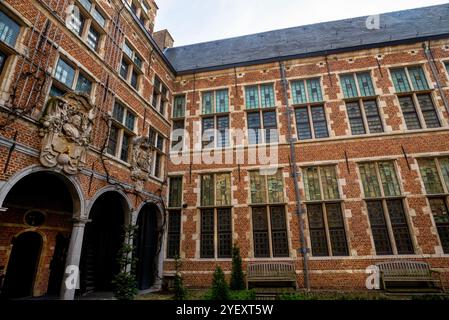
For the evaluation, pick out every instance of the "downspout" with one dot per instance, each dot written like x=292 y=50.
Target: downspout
x=433 y=67
x=295 y=175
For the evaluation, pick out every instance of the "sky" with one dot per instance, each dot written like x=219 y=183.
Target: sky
x=194 y=21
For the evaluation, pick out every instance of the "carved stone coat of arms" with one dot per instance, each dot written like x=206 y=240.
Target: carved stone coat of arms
x=66 y=128
x=141 y=161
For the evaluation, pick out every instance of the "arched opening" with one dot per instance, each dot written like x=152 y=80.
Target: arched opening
x=147 y=242
x=102 y=241
x=23 y=264
x=42 y=201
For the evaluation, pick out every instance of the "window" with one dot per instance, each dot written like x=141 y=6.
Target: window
x=215 y=121
x=215 y=102
x=179 y=106
x=385 y=206
x=417 y=106
x=160 y=96
x=121 y=133
x=311 y=122
x=157 y=141
x=363 y=113
x=3 y=58
x=131 y=66
x=174 y=216
x=262 y=127
x=447 y=67
x=9 y=30
x=268 y=215
x=216 y=216
x=141 y=10
x=326 y=224
x=435 y=176
x=69 y=79
x=260 y=96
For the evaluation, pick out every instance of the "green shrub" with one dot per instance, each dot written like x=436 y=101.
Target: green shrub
x=237 y=277
x=220 y=289
x=432 y=297
x=296 y=296
x=243 y=295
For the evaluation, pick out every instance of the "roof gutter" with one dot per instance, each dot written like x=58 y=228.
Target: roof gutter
x=312 y=54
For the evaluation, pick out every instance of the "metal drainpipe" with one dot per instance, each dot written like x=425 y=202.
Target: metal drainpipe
x=435 y=75
x=295 y=175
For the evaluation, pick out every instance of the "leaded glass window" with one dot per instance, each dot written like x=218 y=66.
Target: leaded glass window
x=399 y=225
x=400 y=80
x=275 y=188
x=262 y=127
x=329 y=183
x=319 y=122
x=258 y=187
x=379 y=228
x=121 y=132
x=317 y=230
x=208 y=107
x=65 y=73
x=337 y=233
x=179 y=106
x=254 y=128
x=207 y=233
x=223 y=131
x=409 y=112
x=312 y=184
x=349 y=87
x=428 y=111
x=372 y=116
x=365 y=84
x=83 y=84
x=208 y=132
x=299 y=92
x=279 y=237
x=260 y=232
x=252 y=97
x=267 y=96
x=222 y=103
x=93 y=38
x=224 y=220
x=174 y=234
x=389 y=179
x=441 y=217
x=321 y=183
x=9 y=30
x=355 y=118
x=270 y=126
x=303 y=123
x=207 y=190
x=175 y=192
x=369 y=180
x=314 y=90
x=430 y=176
x=223 y=189
x=418 y=78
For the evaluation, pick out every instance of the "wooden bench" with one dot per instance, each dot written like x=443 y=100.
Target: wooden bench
x=408 y=273
x=271 y=272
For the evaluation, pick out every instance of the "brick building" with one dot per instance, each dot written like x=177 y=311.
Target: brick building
x=104 y=123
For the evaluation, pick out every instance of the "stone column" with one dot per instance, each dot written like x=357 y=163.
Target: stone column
x=73 y=259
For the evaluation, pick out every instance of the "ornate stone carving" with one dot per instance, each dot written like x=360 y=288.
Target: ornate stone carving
x=141 y=161
x=67 y=124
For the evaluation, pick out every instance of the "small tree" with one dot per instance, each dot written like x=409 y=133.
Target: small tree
x=220 y=289
x=125 y=283
x=180 y=290
x=237 y=277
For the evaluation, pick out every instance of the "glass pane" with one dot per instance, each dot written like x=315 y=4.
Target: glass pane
x=252 y=97
x=222 y=101
x=418 y=78
x=127 y=50
x=98 y=17
x=258 y=187
x=138 y=61
x=379 y=228
x=254 y=128
x=275 y=188
x=65 y=73
x=77 y=23
x=119 y=112
x=83 y=85
x=178 y=134
x=303 y=123
x=112 y=141
x=428 y=111
x=329 y=183
x=135 y=82
x=158 y=165
x=447 y=67
x=317 y=230
x=409 y=112
x=400 y=80
x=208 y=133
x=160 y=142
x=207 y=233
x=399 y=225
x=93 y=39
x=208 y=107
x=174 y=234
x=299 y=92
x=348 y=85
x=87 y=4
x=270 y=126
x=124 y=154
x=365 y=84
x=373 y=116
x=336 y=230
x=355 y=118
x=314 y=90
x=319 y=122
x=430 y=176
x=56 y=92
x=223 y=189
x=224 y=227
x=267 y=95
x=124 y=67
x=3 y=58
x=260 y=232
x=369 y=180
x=179 y=107
x=312 y=184
x=130 y=120
x=175 y=192
x=439 y=210
x=444 y=167
x=223 y=131
x=207 y=190
x=9 y=30
x=279 y=232
x=389 y=179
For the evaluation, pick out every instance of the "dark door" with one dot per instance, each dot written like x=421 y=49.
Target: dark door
x=22 y=267
x=146 y=247
x=57 y=265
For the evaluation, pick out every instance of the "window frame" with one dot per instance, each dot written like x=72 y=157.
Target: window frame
x=158 y=153
x=133 y=67
x=161 y=99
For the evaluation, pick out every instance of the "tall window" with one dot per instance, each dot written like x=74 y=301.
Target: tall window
x=447 y=67
x=131 y=66
x=215 y=121
x=326 y=224
x=174 y=217
x=89 y=25
x=141 y=9
x=268 y=215
x=261 y=114
x=160 y=96
x=309 y=109
x=415 y=98
x=179 y=106
x=9 y=33
x=122 y=132
x=386 y=213
x=69 y=78
x=216 y=216
x=362 y=109
x=435 y=175
x=157 y=141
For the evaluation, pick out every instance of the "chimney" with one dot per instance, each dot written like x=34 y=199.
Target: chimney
x=163 y=39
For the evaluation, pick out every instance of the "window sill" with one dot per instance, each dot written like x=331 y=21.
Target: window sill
x=118 y=160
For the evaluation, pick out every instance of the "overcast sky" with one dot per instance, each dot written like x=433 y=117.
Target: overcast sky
x=193 y=21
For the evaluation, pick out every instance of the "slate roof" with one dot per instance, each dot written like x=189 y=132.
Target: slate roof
x=310 y=40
